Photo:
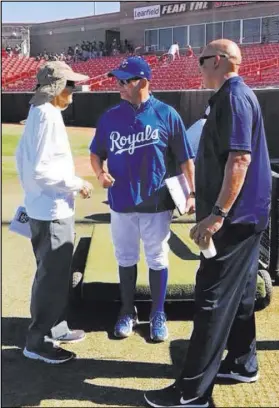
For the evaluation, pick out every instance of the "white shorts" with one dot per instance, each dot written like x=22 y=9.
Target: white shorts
x=154 y=229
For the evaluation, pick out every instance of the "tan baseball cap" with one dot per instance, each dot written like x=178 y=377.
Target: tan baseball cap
x=52 y=78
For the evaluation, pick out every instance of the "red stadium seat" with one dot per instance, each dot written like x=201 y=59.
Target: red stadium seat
x=260 y=68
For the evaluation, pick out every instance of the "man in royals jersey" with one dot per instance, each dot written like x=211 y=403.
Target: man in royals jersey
x=144 y=141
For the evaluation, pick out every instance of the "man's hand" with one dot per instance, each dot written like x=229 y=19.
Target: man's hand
x=203 y=231
x=191 y=206
x=106 y=180
x=86 y=190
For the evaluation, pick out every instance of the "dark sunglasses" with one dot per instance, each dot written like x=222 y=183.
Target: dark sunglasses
x=70 y=84
x=123 y=82
x=202 y=59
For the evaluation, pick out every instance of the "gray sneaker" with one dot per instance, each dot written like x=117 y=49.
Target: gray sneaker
x=72 y=336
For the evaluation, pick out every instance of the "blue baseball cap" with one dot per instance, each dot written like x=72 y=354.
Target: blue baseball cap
x=132 y=67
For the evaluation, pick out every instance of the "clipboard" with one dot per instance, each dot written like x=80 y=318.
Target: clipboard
x=179 y=190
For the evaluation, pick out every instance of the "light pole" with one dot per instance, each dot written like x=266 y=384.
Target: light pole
x=94 y=7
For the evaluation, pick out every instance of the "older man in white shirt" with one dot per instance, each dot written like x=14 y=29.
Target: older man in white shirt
x=46 y=170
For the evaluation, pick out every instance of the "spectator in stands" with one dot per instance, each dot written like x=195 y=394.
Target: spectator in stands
x=17 y=49
x=101 y=48
x=70 y=51
x=90 y=49
x=189 y=52
x=9 y=50
x=114 y=47
x=233 y=159
x=128 y=48
x=77 y=52
x=94 y=49
x=62 y=57
x=47 y=175
x=45 y=55
x=84 y=51
x=173 y=51
x=138 y=49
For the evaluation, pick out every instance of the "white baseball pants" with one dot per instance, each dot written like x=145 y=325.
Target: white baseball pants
x=154 y=229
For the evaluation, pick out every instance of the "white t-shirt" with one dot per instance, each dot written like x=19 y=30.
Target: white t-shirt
x=173 y=49
x=45 y=165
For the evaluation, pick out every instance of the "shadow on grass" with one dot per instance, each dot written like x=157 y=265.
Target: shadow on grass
x=93 y=317
x=180 y=249
x=27 y=383
x=102 y=218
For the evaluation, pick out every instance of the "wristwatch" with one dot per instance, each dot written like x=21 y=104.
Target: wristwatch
x=216 y=210
x=192 y=194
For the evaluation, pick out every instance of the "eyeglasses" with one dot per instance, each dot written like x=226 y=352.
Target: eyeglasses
x=202 y=59
x=123 y=82
x=70 y=84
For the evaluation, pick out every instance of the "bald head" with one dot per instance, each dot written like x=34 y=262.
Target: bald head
x=225 y=47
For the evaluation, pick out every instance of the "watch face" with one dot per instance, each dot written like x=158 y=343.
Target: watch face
x=217 y=211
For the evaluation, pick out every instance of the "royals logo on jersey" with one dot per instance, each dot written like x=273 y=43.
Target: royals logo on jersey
x=129 y=143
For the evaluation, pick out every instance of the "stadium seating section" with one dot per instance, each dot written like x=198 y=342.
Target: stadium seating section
x=260 y=68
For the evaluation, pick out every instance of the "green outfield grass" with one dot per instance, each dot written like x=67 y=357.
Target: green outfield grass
x=9 y=142
x=10 y=139
x=79 y=139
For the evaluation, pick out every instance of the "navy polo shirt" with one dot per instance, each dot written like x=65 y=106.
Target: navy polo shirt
x=235 y=123
x=143 y=146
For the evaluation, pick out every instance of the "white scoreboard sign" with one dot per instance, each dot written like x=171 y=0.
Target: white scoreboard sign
x=143 y=13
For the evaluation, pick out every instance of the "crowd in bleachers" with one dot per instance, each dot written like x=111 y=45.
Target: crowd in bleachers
x=88 y=50
x=9 y=51
x=260 y=68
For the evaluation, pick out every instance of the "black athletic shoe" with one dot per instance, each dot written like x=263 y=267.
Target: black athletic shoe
x=50 y=353
x=234 y=374
x=172 y=397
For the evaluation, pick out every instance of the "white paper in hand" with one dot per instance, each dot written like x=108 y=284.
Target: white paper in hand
x=20 y=223
x=179 y=191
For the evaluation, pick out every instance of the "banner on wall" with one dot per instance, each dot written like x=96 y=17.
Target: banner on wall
x=218 y=4
x=183 y=7
x=142 y=13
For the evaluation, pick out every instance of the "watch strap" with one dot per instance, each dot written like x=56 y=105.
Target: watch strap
x=219 y=212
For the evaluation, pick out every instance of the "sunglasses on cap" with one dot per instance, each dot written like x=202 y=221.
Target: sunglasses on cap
x=123 y=82
x=202 y=59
